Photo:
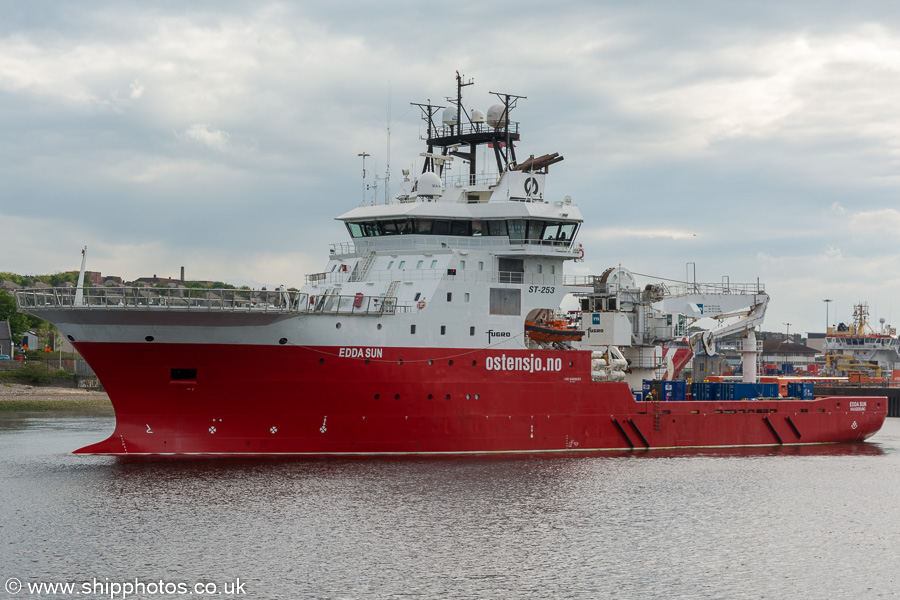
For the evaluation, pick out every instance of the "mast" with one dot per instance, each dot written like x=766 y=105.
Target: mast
x=500 y=134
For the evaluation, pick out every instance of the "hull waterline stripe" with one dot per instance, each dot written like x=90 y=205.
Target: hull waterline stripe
x=465 y=453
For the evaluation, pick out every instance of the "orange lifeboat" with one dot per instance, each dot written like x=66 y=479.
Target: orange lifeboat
x=552 y=331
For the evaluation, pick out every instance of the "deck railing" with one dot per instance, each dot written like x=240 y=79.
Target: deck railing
x=192 y=299
x=673 y=289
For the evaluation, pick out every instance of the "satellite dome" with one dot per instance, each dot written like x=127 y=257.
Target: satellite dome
x=449 y=116
x=477 y=116
x=428 y=184
x=497 y=116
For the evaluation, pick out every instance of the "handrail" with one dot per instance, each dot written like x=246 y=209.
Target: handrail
x=678 y=288
x=194 y=299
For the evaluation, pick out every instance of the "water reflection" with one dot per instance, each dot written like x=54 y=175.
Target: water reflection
x=714 y=523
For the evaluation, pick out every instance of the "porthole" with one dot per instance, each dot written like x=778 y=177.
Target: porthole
x=400 y=361
x=396 y=396
x=282 y=341
x=367 y=361
x=149 y=338
x=476 y=396
x=321 y=361
x=71 y=339
x=468 y=396
x=377 y=396
x=450 y=362
x=571 y=364
x=337 y=325
x=378 y=327
x=474 y=362
x=430 y=362
x=448 y=396
x=430 y=396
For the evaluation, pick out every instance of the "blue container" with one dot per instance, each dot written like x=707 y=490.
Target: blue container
x=798 y=389
x=705 y=390
x=679 y=390
x=669 y=391
x=766 y=390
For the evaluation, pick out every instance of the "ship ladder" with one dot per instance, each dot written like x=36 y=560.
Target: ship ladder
x=359 y=273
x=387 y=301
x=657 y=414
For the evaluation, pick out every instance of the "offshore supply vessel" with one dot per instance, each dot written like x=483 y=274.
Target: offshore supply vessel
x=436 y=329
x=860 y=352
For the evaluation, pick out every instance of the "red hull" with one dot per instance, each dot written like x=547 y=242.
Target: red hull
x=293 y=400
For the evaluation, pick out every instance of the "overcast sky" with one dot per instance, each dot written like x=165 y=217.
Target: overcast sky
x=759 y=140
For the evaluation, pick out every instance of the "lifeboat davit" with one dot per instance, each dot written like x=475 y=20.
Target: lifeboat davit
x=552 y=331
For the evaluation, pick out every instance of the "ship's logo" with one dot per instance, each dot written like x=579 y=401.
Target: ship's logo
x=595 y=319
x=497 y=334
x=854 y=426
x=531 y=186
x=323 y=429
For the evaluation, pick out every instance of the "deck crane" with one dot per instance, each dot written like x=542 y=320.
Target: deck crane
x=639 y=321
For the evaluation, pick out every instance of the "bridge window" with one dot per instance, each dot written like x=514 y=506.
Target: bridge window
x=496 y=228
x=518 y=230
x=461 y=228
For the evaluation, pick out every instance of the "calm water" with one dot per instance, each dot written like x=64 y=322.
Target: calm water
x=788 y=523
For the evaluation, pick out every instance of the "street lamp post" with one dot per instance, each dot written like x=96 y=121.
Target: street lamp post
x=827 y=301
x=788 y=334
